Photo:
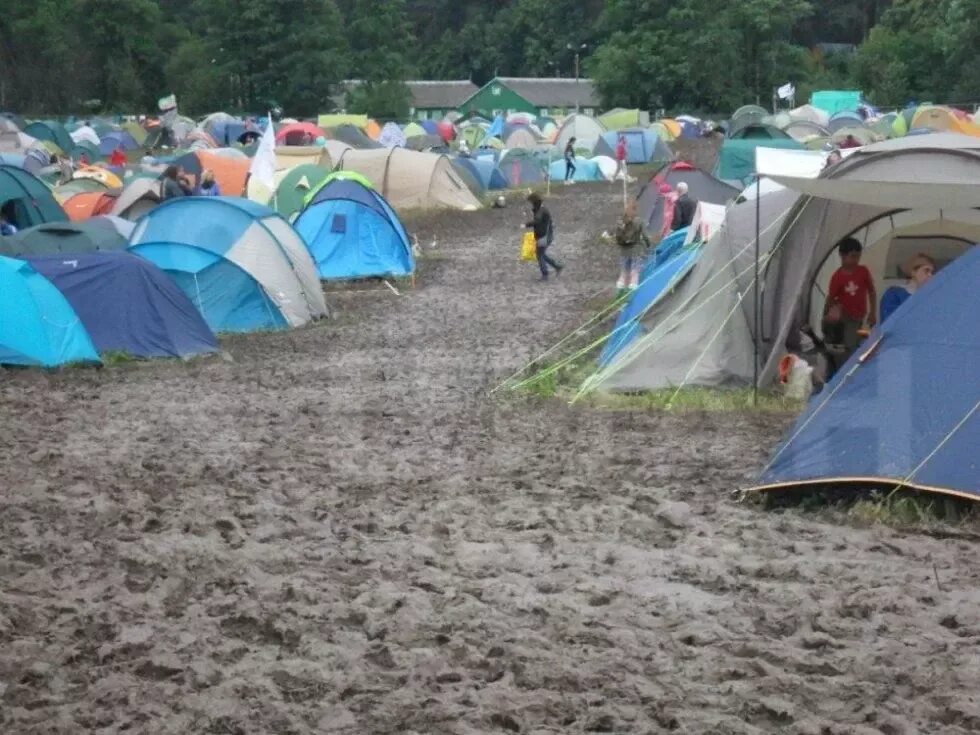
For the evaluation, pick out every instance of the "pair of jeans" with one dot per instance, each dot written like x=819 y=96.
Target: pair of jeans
x=544 y=261
x=569 y=169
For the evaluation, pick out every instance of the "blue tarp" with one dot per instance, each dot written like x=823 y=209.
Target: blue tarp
x=670 y=262
x=585 y=170
x=905 y=410
x=39 y=326
x=128 y=305
x=352 y=232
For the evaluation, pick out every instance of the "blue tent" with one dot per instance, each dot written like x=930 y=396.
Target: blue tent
x=352 y=232
x=585 y=170
x=905 y=409
x=117 y=139
x=671 y=261
x=642 y=145
x=127 y=304
x=38 y=327
x=521 y=168
x=430 y=126
x=239 y=263
x=483 y=170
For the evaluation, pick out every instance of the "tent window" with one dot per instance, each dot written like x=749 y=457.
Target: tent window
x=339 y=224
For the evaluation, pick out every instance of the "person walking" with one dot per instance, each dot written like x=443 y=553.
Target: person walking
x=633 y=248
x=570 y=161
x=621 y=150
x=544 y=234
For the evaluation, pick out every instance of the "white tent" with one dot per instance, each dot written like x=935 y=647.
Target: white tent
x=587 y=132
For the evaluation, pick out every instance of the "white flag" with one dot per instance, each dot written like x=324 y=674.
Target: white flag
x=787 y=91
x=263 y=167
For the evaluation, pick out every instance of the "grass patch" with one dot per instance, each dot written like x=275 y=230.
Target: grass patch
x=880 y=506
x=117 y=357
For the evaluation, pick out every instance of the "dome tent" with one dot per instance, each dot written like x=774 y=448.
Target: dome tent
x=39 y=326
x=352 y=232
x=240 y=263
x=410 y=179
x=585 y=170
x=137 y=198
x=294 y=187
x=55 y=238
x=642 y=145
x=26 y=200
x=702 y=187
x=586 y=130
x=127 y=304
x=86 y=204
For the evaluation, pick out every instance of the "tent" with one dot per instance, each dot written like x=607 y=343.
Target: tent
x=833 y=101
x=416 y=130
x=758 y=131
x=118 y=139
x=642 y=145
x=809 y=113
x=103 y=175
x=411 y=180
x=355 y=137
x=96 y=234
x=736 y=161
x=287 y=158
x=240 y=263
x=335 y=121
x=31 y=164
x=352 y=232
x=136 y=131
x=425 y=143
x=585 y=170
x=702 y=187
x=137 y=198
x=699 y=333
x=484 y=172
x=520 y=136
x=127 y=304
x=473 y=135
x=85 y=133
x=904 y=411
x=522 y=168
x=803 y=130
x=620 y=119
x=294 y=185
x=25 y=200
x=845 y=120
x=39 y=327
x=746 y=115
x=586 y=130
x=51 y=131
x=64 y=192
x=230 y=173
x=298 y=133
x=864 y=136
x=86 y=204
x=944 y=119
x=392 y=136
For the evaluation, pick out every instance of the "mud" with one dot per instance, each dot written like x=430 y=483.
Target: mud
x=336 y=530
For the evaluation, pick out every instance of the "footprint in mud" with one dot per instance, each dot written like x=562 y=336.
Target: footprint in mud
x=251 y=630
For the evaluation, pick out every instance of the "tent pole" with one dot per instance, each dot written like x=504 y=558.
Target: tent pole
x=755 y=298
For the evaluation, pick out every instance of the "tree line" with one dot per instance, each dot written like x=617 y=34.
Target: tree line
x=92 y=56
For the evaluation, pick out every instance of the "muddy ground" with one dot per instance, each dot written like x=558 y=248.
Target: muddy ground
x=336 y=530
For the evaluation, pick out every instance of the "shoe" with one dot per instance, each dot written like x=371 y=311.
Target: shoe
x=542 y=278
x=558 y=271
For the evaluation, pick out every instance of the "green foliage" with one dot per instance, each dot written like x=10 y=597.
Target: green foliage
x=382 y=100
x=56 y=56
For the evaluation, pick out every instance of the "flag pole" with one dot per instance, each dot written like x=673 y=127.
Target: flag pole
x=755 y=297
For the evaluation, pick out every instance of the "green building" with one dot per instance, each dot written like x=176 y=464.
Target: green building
x=549 y=97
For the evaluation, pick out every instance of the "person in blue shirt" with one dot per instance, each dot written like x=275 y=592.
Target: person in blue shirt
x=208 y=187
x=919 y=270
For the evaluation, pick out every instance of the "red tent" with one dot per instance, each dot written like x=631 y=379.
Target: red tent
x=294 y=134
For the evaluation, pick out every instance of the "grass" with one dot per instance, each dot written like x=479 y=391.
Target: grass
x=876 y=506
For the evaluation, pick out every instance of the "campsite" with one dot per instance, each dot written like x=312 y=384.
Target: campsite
x=403 y=367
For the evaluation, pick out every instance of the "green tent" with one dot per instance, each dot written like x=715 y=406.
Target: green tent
x=298 y=183
x=53 y=132
x=473 y=135
x=97 y=234
x=83 y=146
x=351 y=175
x=64 y=192
x=620 y=119
x=736 y=162
x=26 y=201
x=137 y=131
x=414 y=130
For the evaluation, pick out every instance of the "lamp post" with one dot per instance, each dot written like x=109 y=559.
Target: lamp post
x=578 y=51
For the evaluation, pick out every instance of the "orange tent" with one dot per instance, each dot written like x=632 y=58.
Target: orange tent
x=372 y=130
x=89 y=204
x=230 y=173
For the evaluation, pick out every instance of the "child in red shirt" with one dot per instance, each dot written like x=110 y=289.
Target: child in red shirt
x=851 y=297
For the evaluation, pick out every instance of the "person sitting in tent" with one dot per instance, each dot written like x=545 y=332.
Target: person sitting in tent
x=851 y=299
x=175 y=183
x=208 y=186
x=570 y=161
x=684 y=208
x=833 y=158
x=544 y=234
x=850 y=142
x=620 y=158
x=920 y=269
x=6 y=228
x=633 y=247
x=118 y=157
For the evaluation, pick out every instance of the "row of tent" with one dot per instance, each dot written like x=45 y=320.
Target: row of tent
x=904 y=410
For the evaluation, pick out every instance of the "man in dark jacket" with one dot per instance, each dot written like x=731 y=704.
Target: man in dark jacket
x=544 y=234
x=684 y=208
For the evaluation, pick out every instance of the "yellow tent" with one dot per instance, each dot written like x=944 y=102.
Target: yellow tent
x=335 y=121
x=372 y=130
x=943 y=119
x=673 y=126
x=102 y=175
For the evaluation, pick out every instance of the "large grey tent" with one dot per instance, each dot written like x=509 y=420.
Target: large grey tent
x=922 y=190
x=702 y=187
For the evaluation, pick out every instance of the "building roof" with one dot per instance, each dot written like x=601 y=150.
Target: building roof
x=554 y=92
x=441 y=94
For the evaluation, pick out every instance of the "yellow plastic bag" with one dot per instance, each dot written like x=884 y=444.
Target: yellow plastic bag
x=529 y=247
